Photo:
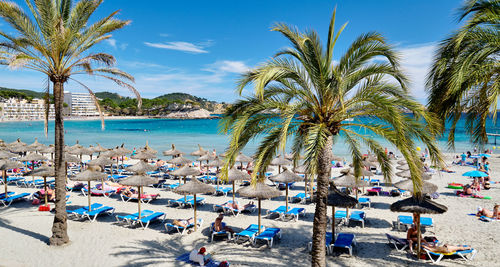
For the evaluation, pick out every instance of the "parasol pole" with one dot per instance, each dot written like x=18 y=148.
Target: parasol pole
x=45 y=188
x=139 y=201
x=88 y=194
x=233 y=192
x=258 y=231
x=195 y=221
x=4 y=174
x=286 y=200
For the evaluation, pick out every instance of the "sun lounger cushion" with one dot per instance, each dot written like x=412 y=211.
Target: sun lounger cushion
x=344 y=240
x=268 y=234
x=249 y=232
x=12 y=198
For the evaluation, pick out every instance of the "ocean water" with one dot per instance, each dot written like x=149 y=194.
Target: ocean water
x=161 y=133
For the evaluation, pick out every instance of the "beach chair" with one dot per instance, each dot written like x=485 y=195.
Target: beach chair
x=97 y=192
x=302 y=197
x=128 y=218
x=145 y=198
x=180 y=229
x=222 y=233
x=92 y=215
x=399 y=243
x=171 y=186
x=223 y=190
x=358 y=216
x=190 y=202
x=13 y=179
x=466 y=255
x=345 y=241
x=236 y=212
x=185 y=258
x=179 y=201
x=144 y=221
x=77 y=212
x=9 y=193
x=328 y=240
x=294 y=213
x=341 y=215
x=249 y=232
x=268 y=235
x=407 y=221
x=365 y=201
x=279 y=211
x=31 y=183
x=13 y=198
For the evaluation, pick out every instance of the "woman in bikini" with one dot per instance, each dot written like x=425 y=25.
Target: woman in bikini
x=495 y=214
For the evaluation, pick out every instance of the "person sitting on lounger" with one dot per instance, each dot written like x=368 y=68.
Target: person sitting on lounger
x=495 y=214
x=51 y=195
x=412 y=236
x=183 y=223
x=199 y=256
x=446 y=248
x=218 y=225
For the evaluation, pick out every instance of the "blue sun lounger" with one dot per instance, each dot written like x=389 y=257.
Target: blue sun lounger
x=280 y=211
x=358 y=216
x=13 y=179
x=190 y=202
x=9 y=193
x=181 y=201
x=268 y=235
x=223 y=190
x=79 y=211
x=144 y=221
x=463 y=254
x=171 y=186
x=31 y=183
x=344 y=240
x=408 y=221
x=83 y=213
x=180 y=229
x=222 y=233
x=185 y=258
x=328 y=240
x=295 y=212
x=399 y=243
x=365 y=201
x=13 y=198
x=128 y=218
x=250 y=232
x=302 y=197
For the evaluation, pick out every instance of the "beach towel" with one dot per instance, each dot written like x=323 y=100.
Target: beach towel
x=211 y=263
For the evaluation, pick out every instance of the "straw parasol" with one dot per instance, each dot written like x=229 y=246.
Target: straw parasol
x=139 y=181
x=173 y=152
x=99 y=149
x=243 y=158
x=348 y=180
x=280 y=161
x=81 y=151
x=364 y=172
x=206 y=157
x=303 y=170
x=217 y=162
x=427 y=188
x=33 y=157
x=180 y=160
x=16 y=143
x=88 y=176
x=418 y=205
x=407 y=174
x=286 y=177
x=259 y=191
x=236 y=175
x=44 y=171
x=18 y=148
x=149 y=149
x=141 y=167
x=199 y=152
x=368 y=164
x=339 y=199
x=35 y=146
x=6 y=165
x=194 y=187
x=7 y=155
x=71 y=158
x=185 y=171
x=75 y=146
x=143 y=155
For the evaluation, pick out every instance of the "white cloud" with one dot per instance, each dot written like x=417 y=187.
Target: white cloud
x=181 y=46
x=416 y=61
x=228 y=66
x=111 y=42
x=164 y=34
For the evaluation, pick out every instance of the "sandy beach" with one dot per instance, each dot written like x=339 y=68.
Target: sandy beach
x=25 y=232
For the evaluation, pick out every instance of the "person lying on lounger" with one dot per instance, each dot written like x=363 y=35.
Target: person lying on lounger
x=183 y=223
x=218 y=225
x=495 y=214
x=51 y=195
x=446 y=248
x=130 y=193
x=236 y=205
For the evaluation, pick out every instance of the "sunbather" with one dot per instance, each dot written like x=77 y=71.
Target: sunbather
x=218 y=227
x=446 y=248
x=236 y=205
x=199 y=256
x=467 y=190
x=495 y=214
x=183 y=223
x=51 y=195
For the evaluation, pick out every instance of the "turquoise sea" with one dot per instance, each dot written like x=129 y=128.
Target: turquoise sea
x=161 y=133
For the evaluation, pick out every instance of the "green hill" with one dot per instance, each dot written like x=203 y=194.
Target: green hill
x=20 y=93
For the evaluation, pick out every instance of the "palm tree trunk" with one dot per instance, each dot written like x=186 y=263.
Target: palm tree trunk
x=320 y=219
x=60 y=226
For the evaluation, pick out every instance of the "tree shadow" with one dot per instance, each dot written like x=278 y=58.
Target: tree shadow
x=5 y=223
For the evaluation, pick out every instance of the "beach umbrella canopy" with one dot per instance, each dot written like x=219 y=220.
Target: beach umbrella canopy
x=81 y=151
x=43 y=171
x=7 y=155
x=234 y=175
x=286 y=176
x=149 y=149
x=338 y=199
x=206 y=157
x=173 y=152
x=369 y=164
x=407 y=174
x=259 y=191
x=185 y=171
x=48 y=149
x=18 y=148
x=279 y=161
x=475 y=173
x=141 y=167
x=418 y=206
x=300 y=169
x=88 y=176
x=6 y=165
x=110 y=154
x=101 y=161
x=199 y=152
x=143 y=155
x=268 y=169
x=75 y=146
x=291 y=155
x=243 y=158
x=139 y=181
x=348 y=180
x=35 y=146
x=194 y=187
x=99 y=148
x=33 y=157
x=217 y=162
x=337 y=158
x=16 y=143
x=364 y=172
x=372 y=158
x=71 y=158
x=122 y=151
x=179 y=161
x=427 y=188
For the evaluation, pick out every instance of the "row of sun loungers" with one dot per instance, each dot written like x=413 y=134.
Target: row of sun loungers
x=342 y=240
x=251 y=233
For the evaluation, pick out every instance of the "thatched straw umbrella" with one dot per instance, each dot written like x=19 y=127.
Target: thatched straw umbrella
x=139 y=181
x=234 y=175
x=7 y=155
x=286 y=177
x=418 y=205
x=199 y=152
x=302 y=169
x=180 y=160
x=407 y=174
x=48 y=150
x=81 y=151
x=217 y=162
x=338 y=199
x=243 y=158
x=101 y=161
x=35 y=146
x=6 y=165
x=368 y=164
x=16 y=143
x=173 y=152
x=149 y=149
x=98 y=149
x=143 y=155
x=280 y=161
x=75 y=146
x=32 y=158
x=141 y=167
x=185 y=171
x=44 y=171
x=259 y=191
x=348 y=180
x=70 y=158
x=427 y=188
x=18 y=148
x=206 y=157
x=120 y=152
x=194 y=187
x=88 y=176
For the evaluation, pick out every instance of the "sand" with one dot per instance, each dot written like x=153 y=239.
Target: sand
x=24 y=233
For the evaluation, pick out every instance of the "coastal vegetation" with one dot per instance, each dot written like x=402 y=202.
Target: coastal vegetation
x=57 y=39
x=464 y=77
x=316 y=98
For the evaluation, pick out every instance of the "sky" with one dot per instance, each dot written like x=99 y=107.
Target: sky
x=202 y=47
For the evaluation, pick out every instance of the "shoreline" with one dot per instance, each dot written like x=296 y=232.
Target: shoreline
x=114 y=118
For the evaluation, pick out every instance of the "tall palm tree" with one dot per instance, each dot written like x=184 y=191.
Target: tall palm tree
x=465 y=75
x=56 y=39
x=304 y=95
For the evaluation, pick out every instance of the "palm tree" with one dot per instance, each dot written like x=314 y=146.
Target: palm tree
x=464 y=77
x=304 y=95
x=56 y=39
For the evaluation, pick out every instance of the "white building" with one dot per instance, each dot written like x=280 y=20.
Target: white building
x=15 y=109
x=80 y=104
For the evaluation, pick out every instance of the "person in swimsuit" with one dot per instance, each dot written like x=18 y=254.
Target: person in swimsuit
x=495 y=214
x=218 y=226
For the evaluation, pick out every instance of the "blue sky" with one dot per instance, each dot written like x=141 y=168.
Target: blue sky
x=201 y=47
